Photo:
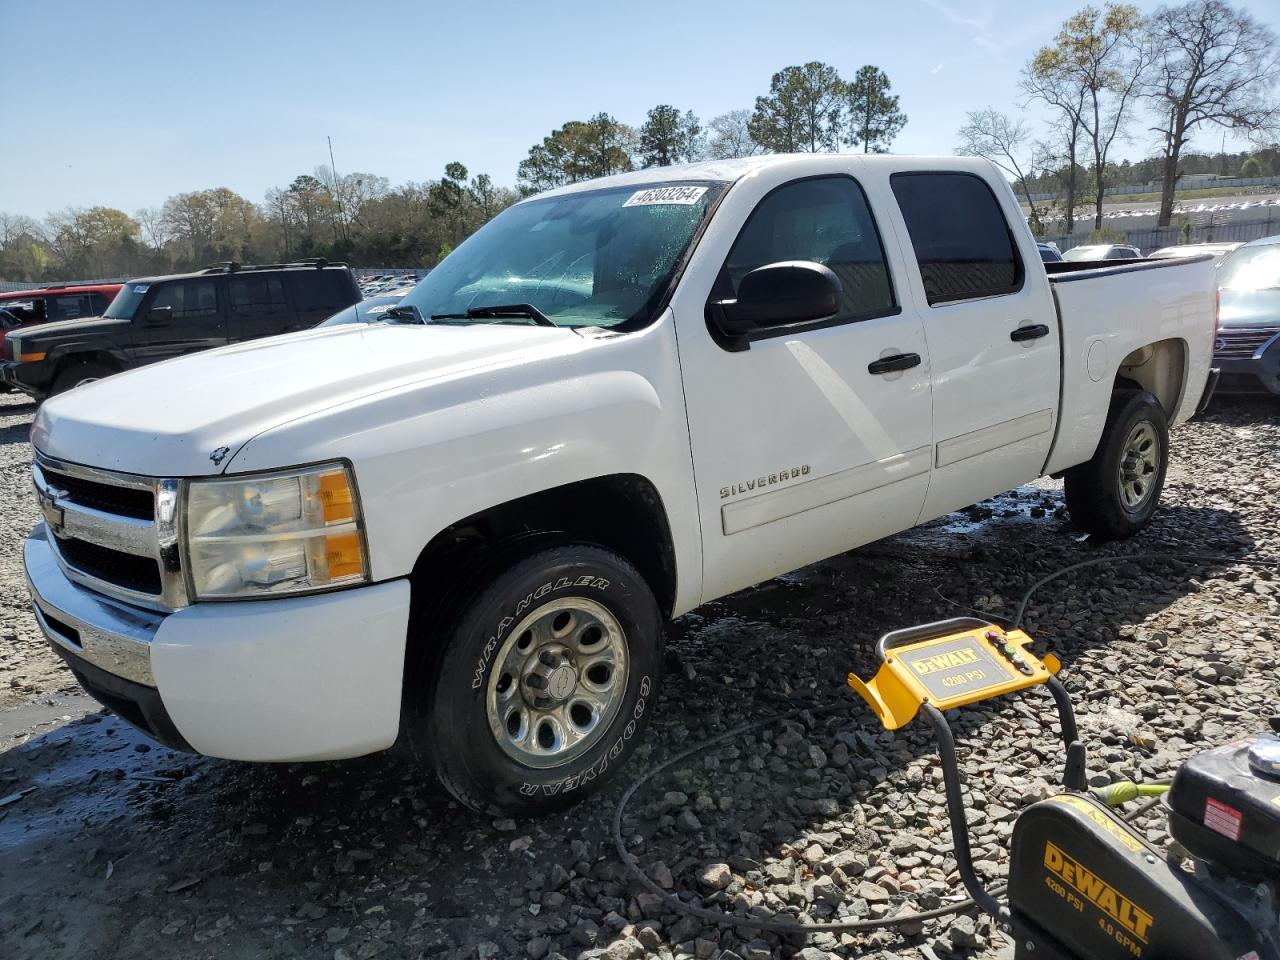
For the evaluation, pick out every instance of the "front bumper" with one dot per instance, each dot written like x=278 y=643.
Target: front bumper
x=1259 y=373
x=298 y=678
x=21 y=376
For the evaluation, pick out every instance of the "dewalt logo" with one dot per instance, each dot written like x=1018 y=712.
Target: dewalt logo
x=1102 y=895
x=944 y=661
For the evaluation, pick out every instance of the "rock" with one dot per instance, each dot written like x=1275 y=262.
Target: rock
x=716 y=876
x=688 y=822
x=825 y=890
x=660 y=874
x=964 y=933
x=586 y=933
x=537 y=948
x=487 y=950
x=628 y=948
x=872 y=892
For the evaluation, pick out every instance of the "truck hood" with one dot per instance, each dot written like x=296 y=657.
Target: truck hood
x=1246 y=308
x=190 y=416
x=63 y=331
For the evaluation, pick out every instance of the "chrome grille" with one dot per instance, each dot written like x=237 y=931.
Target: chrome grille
x=115 y=533
x=1242 y=341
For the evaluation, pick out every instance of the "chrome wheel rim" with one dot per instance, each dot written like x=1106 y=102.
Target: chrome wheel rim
x=557 y=682
x=1139 y=464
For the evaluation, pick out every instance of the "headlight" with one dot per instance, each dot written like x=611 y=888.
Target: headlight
x=294 y=531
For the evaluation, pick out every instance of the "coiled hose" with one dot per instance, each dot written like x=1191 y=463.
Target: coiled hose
x=719 y=918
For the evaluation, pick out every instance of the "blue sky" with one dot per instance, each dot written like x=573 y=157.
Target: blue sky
x=124 y=104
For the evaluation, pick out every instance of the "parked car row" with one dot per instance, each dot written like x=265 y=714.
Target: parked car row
x=1178 y=208
x=161 y=317
x=1247 y=343
x=65 y=301
x=157 y=318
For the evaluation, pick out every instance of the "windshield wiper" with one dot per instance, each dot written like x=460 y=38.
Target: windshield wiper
x=523 y=311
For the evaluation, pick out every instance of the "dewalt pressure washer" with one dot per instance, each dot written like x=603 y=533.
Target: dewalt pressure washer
x=1083 y=884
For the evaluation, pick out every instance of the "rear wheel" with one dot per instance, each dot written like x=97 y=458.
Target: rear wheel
x=1115 y=494
x=544 y=683
x=78 y=375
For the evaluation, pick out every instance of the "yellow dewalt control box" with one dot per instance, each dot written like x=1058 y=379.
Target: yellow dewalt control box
x=950 y=671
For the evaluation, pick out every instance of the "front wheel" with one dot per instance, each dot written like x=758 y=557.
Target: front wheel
x=545 y=682
x=78 y=375
x=1114 y=495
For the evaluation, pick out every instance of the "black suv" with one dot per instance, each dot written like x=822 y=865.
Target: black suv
x=157 y=318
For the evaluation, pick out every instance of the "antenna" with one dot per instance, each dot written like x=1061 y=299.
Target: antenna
x=337 y=186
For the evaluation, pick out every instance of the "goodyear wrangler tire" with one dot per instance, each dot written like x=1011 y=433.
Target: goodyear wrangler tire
x=546 y=682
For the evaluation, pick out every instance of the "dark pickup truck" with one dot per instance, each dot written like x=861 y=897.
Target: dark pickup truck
x=157 y=318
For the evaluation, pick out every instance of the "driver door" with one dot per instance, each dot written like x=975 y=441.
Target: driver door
x=804 y=446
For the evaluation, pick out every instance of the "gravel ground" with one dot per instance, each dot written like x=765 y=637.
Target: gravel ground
x=126 y=850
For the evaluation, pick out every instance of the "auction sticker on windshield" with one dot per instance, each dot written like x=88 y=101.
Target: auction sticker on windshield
x=682 y=195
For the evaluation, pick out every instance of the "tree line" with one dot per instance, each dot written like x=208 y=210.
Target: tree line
x=358 y=217
x=808 y=109
x=1185 y=69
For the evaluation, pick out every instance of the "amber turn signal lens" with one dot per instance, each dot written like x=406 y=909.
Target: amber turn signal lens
x=336 y=497
x=344 y=556
x=30 y=357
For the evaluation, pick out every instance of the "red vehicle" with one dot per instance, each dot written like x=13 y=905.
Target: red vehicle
x=60 y=301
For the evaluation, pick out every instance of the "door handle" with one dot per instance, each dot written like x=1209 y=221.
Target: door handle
x=1033 y=332
x=899 y=361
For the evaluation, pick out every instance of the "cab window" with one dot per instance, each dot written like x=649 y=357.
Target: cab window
x=824 y=220
x=188 y=298
x=961 y=240
x=252 y=296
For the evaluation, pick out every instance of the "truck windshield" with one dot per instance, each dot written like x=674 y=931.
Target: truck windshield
x=1251 y=268
x=598 y=258
x=125 y=305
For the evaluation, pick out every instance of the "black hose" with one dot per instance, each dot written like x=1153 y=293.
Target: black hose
x=719 y=918
x=733 y=920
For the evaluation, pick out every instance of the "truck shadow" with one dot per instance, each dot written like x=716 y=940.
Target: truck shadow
x=125 y=851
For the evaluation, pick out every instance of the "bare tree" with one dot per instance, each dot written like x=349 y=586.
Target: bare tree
x=15 y=226
x=731 y=136
x=156 y=229
x=1215 y=65
x=995 y=136
x=1102 y=56
x=1067 y=100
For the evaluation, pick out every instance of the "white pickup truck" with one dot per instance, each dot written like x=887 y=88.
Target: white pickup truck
x=615 y=402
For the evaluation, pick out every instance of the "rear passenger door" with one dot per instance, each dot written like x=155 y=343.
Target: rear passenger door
x=317 y=295
x=178 y=317
x=258 y=307
x=993 y=337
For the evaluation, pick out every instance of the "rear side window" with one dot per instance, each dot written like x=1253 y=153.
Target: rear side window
x=251 y=296
x=320 y=290
x=961 y=240
x=188 y=298
x=824 y=220
x=69 y=306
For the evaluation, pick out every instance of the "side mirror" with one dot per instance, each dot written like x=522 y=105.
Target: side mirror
x=404 y=313
x=779 y=294
x=159 y=314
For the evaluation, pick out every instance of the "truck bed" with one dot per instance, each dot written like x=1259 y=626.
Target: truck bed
x=1154 y=317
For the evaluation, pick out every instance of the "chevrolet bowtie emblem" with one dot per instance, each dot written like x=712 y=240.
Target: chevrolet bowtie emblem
x=54 y=515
